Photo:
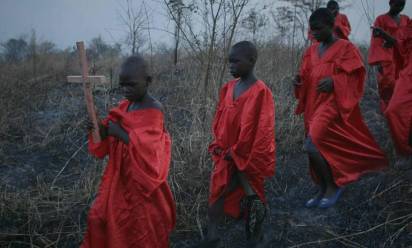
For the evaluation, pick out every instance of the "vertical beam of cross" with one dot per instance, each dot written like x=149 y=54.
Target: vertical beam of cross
x=91 y=109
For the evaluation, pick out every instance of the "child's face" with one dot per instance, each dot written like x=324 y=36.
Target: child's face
x=239 y=63
x=133 y=84
x=396 y=6
x=320 y=31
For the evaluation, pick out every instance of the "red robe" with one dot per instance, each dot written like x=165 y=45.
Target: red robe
x=341 y=28
x=246 y=128
x=389 y=58
x=134 y=206
x=399 y=111
x=333 y=120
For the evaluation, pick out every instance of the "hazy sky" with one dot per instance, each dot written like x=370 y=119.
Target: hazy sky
x=65 y=21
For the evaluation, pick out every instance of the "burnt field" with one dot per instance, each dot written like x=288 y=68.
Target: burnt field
x=48 y=180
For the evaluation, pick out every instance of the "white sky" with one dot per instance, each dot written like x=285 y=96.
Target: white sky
x=66 y=21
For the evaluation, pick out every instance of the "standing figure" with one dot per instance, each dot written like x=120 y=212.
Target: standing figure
x=399 y=110
x=134 y=206
x=329 y=88
x=243 y=147
x=387 y=59
x=341 y=27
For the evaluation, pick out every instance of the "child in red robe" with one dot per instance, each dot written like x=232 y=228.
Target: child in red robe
x=399 y=110
x=134 y=206
x=243 y=147
x=329 y=88
x=341 y=27
x=388 y=60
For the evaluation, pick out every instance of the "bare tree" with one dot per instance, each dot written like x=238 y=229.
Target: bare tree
x=208 y=28
x=33 y=52
x=15 y=50
x=253 y=22
x=177 y=6
x=211 y=20
x=291 y=18
x=134 y=20
x=236 y=8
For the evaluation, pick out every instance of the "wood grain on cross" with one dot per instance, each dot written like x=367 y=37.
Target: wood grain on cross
x=87 y=88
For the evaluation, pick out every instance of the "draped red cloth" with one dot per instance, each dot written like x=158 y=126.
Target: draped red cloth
x=399 y=111
x=341 y=28
x=389 y=58
x=333 y=120
x=246 y=128
x=134 y=206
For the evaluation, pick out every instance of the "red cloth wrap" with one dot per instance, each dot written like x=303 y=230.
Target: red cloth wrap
x=134 y=206
x=244 y=126
x=333 y=120
x=389 y=58
x=342 y=26
x=399 y=111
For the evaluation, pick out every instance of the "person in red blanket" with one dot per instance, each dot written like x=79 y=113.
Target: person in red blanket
x=399 y=110
x=134 y=206
x=388 y=60
x=341 y=27
x=243 y=147
x=329 y=87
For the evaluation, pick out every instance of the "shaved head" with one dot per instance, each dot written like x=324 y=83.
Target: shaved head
x=396 y=6
x=135 y=63
x=333 y=7
x=322 y=15
x=247 y=49
x=332 y=3
x=134 y=78
x=135 y=66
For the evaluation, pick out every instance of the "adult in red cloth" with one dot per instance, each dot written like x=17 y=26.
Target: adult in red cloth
x=329 y=88
x=243 y=147
x=134 y=206
x=399 y=110
x=341 y=27
x=388 y=60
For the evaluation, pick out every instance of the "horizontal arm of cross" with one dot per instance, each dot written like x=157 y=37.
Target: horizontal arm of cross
x=91 y=79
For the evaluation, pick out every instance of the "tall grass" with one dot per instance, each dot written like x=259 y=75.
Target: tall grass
x=49 y=180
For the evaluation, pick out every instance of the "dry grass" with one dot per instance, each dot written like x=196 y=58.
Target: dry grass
x=49 y=180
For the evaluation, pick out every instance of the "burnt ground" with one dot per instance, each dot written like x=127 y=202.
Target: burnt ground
x=373 y=212
x=367 y=212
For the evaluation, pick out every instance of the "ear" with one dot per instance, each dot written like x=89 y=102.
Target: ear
x=253 y=59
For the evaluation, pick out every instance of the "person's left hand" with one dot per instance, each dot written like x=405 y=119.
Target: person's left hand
x=377 y=32
x=325 y=85
x=388 y=44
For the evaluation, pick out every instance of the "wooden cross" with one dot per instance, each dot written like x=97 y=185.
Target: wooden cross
x=87 y=88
